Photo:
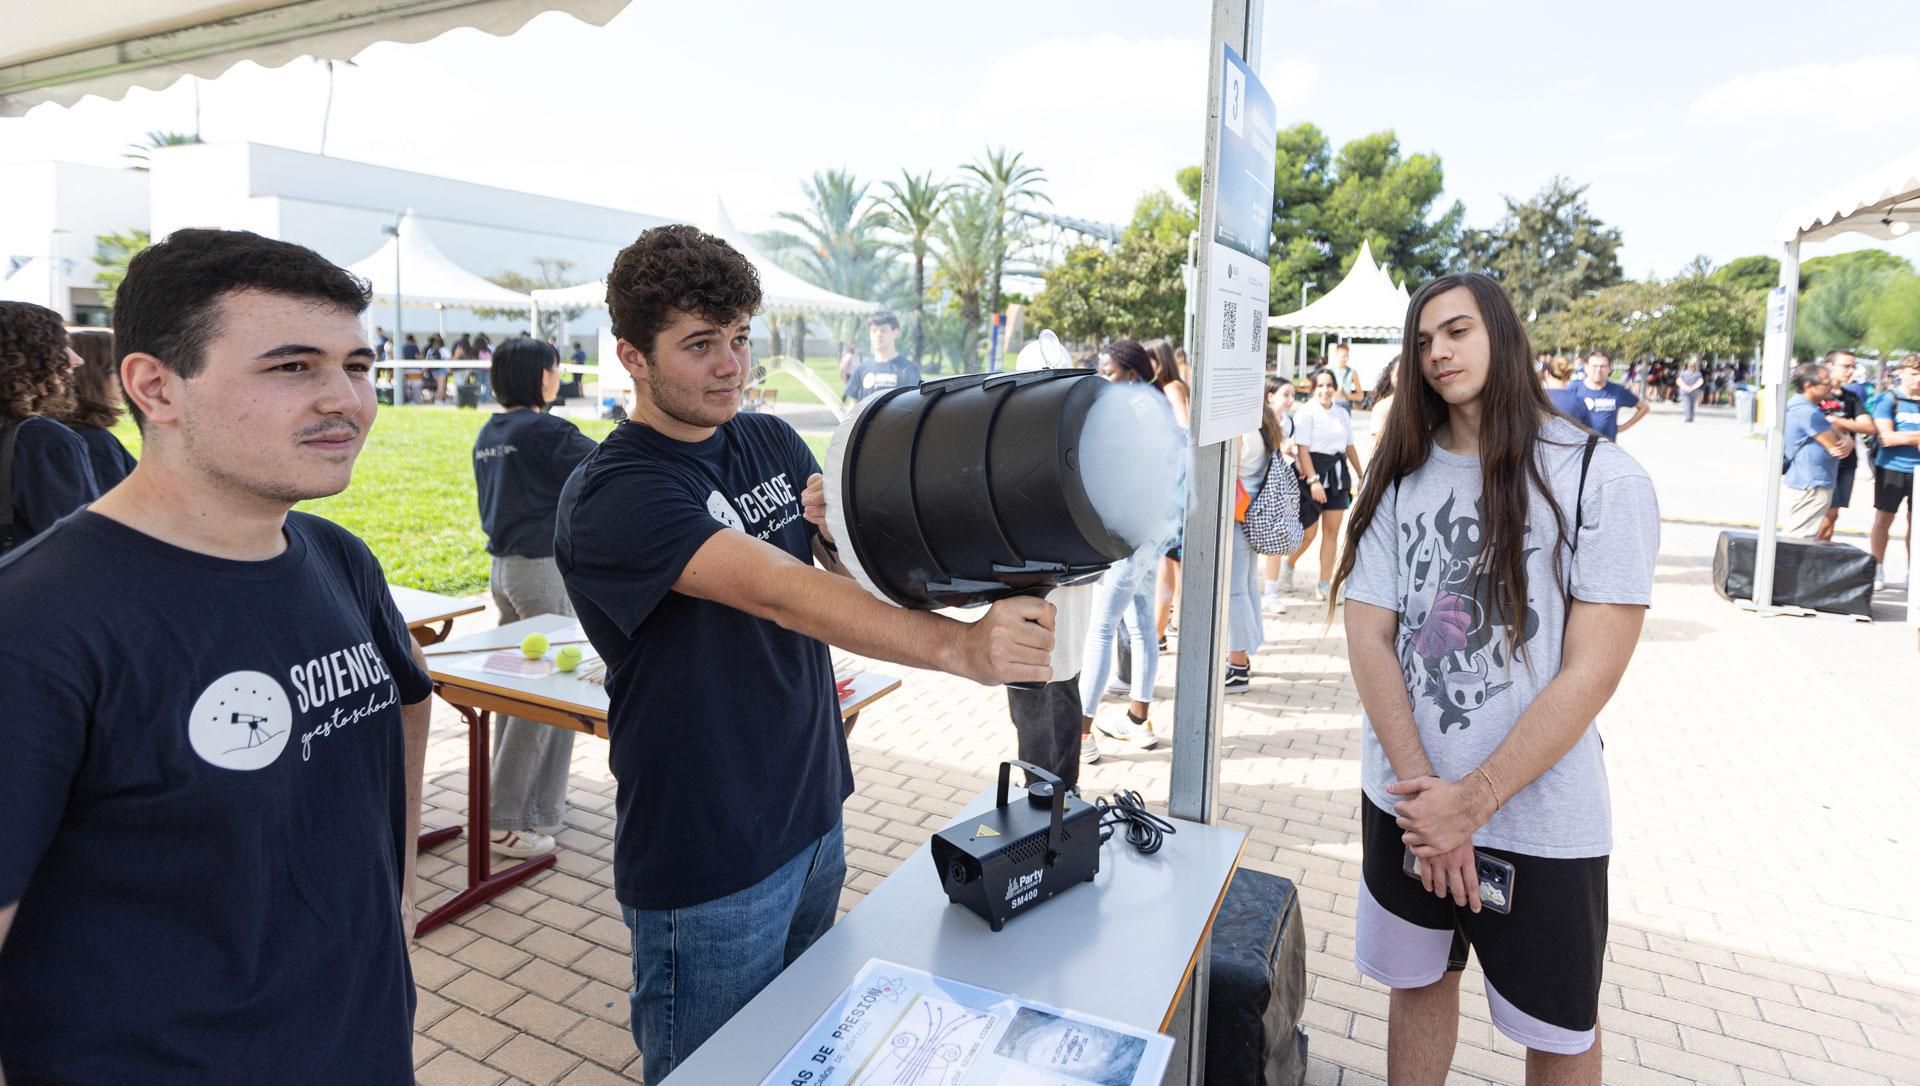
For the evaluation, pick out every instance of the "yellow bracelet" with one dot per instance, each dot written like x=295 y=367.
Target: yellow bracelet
x=1490 y=786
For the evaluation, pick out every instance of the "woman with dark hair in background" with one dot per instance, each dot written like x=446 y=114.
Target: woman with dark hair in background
x=1382 y=403
x=97 y=403
x=1325 y=435
x=1167 y=378
x=1245 y=630
x=51 y=476
x=1281 y=395
x=521 y=460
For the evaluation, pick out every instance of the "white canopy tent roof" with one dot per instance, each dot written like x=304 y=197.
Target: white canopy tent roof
x=1366 y=304
x=426 y=278
x=55 y=52
x=1884 y=204
x=782 y=293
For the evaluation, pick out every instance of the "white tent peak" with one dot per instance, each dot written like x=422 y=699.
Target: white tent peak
x=1367 y=303
x=1890 y=196
x=427 y=278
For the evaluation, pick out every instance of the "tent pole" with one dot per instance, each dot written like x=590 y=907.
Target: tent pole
x=1774 y=373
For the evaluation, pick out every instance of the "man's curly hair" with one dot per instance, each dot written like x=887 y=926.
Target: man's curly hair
x=33 y=362
x=680 y=269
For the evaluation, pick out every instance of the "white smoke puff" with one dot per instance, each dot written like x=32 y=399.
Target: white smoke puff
x=1133 y=460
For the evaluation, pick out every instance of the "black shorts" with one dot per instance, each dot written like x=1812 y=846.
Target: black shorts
x=1843 y=482
x=1890 y=488
x=1332 y=469
x=1542 y=959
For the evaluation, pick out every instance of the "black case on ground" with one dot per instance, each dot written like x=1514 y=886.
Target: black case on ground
x=1258 y=985
x=1831 y=577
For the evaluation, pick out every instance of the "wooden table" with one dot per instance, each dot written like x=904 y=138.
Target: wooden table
x=560 y=700
x=1121 y=947
x=421 y=610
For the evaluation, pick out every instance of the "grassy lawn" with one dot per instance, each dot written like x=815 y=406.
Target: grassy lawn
x=413 y=498
x=792 y=391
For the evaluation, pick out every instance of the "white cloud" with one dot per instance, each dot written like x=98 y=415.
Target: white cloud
x=1856 y=94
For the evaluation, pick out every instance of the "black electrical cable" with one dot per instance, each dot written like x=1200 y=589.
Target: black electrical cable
x=1145 y=830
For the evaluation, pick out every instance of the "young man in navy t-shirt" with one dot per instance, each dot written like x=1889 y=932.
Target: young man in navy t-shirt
x=888 y=368
x=688 y=542
x=215 y=720
x=1597 y=401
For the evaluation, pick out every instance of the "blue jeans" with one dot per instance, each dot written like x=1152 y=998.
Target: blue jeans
x=694 y=968
x=1125 y=589
x=1245 y=632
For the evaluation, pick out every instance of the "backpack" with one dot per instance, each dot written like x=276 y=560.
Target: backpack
x=1273 y=518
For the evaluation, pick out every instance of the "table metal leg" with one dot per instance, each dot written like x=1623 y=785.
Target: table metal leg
x=482 y=884
x=433 y=839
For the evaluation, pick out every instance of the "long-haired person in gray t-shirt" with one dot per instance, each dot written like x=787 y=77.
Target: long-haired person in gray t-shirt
x=1498 y=567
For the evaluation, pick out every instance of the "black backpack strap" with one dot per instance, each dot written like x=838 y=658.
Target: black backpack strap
x=1579 y=514
x=9 y=431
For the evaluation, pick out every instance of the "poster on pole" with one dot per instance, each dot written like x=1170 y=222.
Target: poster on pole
x=1777 y=347
x=1234 y=316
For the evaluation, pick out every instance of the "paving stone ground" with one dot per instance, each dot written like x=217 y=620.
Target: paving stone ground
x=1765 y=922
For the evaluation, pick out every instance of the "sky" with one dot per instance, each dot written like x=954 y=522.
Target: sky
x=1695 y=124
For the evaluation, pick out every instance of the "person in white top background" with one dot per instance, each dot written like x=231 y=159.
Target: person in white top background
x=1324 y=434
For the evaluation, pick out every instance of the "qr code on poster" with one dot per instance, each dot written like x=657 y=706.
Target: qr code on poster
x=1229 y=327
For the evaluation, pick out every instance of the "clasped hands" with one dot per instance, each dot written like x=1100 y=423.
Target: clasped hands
x=1437 y=818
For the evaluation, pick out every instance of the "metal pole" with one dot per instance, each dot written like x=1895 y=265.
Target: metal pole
x=399 y=329
x=1764 y=546
x=1207 y=560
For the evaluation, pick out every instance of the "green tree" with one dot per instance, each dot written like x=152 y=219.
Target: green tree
x=1326 y=205
x=838 y=243
x=1893 y=318
x=1868 y=262
x=549 y=272
x=1011 y=186
x=1548 y=251
x=1755 y=274
x=965 y=255
x=112 y=252
x=1706 y=316
x=1135 y=289
x=138 y=154
x=1837 y=310
x=911 y=209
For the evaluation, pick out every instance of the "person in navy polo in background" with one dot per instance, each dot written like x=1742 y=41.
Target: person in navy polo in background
x=888 y=368
x=1596 y=403
x=689 y=542
x=215 y=721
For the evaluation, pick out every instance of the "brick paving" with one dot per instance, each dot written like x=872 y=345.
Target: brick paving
x=1764 y=919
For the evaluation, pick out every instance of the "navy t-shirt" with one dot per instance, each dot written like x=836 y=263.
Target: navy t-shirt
x=110 y=460
x=202 y=811
x=520 y=461
x=870 y=377
x=52 y=476
x=1599 y=409
x=725 y=730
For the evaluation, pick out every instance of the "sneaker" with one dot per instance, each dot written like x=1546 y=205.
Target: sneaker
x=1117 y=686
x=1134 y=733
x=1163 y=644
x=1320 y=591
x=1879 y=576
x=1239 y=679
x=1089 y=748
x=1286 y=577
x=1274 y=604
x=517 y=843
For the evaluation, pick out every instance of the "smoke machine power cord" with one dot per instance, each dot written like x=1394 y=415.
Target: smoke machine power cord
x=1145 y=830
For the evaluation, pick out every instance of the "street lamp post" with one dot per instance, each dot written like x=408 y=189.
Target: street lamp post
x=1300 y=335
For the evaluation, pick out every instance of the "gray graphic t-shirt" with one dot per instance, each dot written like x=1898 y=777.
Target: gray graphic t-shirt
x=1419 y=557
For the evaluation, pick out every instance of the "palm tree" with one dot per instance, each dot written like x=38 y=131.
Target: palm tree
x=136 y=153
x=1010 y=185
x=838 y=244
x=911 y=209
x=964 y=256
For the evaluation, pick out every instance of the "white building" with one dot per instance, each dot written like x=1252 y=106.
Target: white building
x=331 y=205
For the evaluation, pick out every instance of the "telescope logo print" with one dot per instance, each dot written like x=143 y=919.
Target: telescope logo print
x=241 y=722
x=722 y=510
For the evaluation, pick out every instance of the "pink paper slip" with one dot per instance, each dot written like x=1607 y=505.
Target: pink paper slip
x=514 y=662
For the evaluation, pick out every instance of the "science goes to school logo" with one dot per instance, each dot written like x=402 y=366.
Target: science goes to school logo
x=722 y=510
x=242 y=721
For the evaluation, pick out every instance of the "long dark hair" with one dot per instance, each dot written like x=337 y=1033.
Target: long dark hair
x=520 y=365
x=1513 y=407
x=95 y=394
x=1165 y=370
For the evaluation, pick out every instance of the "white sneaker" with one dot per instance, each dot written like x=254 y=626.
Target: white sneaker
x=518 y=843
x=1115 y=686
x=1129 y=732
x=1286 y=578
x=1274 y=604
x=1089 y=748
x=1879 y=576
x=1320 y=591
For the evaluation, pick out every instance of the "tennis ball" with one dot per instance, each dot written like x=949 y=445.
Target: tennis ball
x=533 y=646
x=567 y=658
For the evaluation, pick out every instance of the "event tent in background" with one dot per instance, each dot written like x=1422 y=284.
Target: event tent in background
x=412 y=267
